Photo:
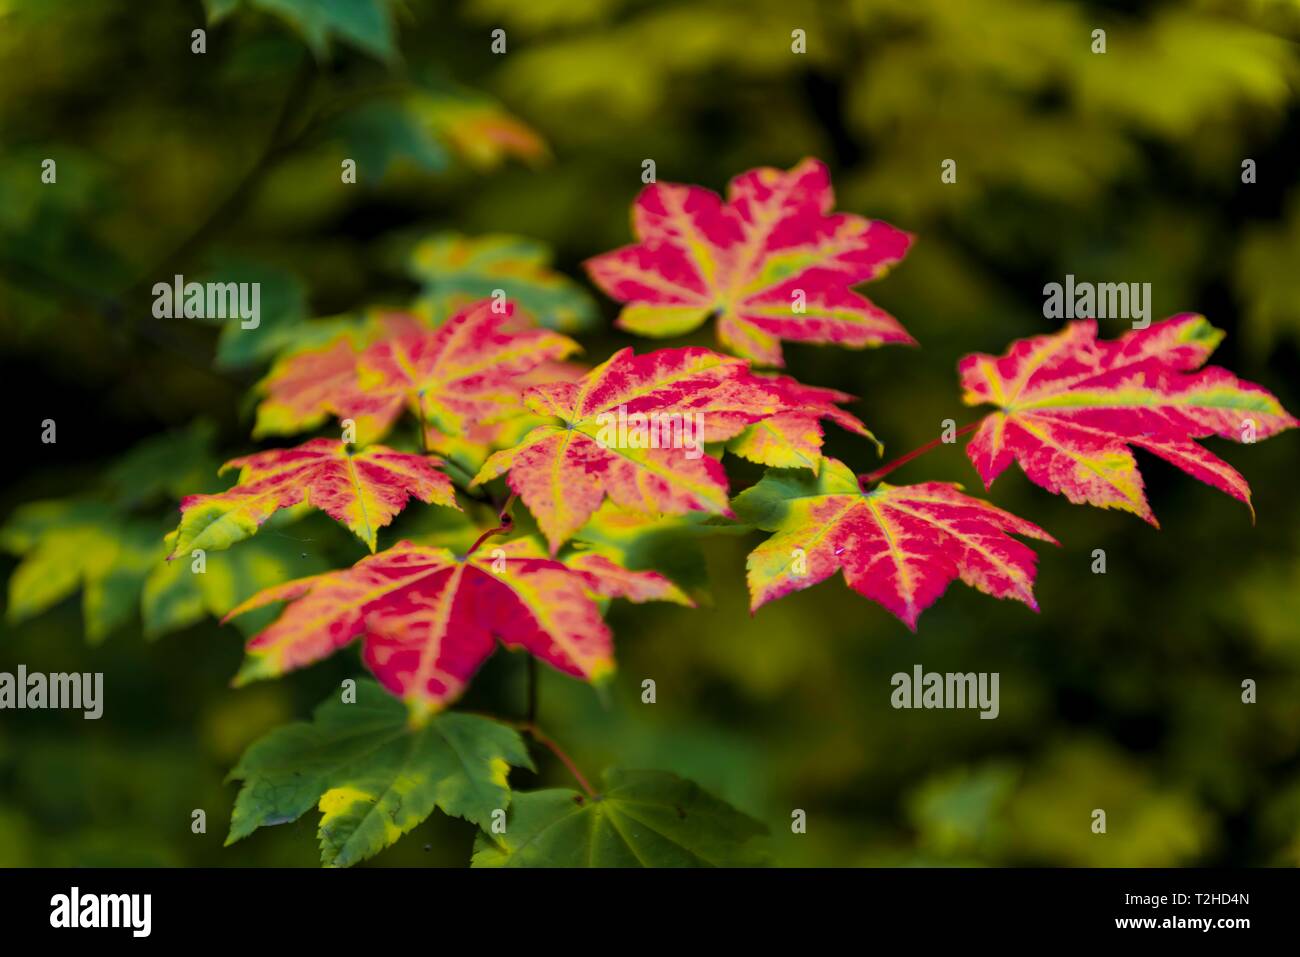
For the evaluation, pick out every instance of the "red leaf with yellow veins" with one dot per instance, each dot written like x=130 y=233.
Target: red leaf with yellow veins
x=900 y=546
x=463 y=373
x=634 y=429
x=302 y=388
x=481 y=439
x=428 y=619
x=771 y=262
x=1072 y=407
x=793 y=439
x=610 y=580
x=363 y=490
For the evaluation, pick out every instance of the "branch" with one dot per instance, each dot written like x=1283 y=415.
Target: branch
x=277 y=144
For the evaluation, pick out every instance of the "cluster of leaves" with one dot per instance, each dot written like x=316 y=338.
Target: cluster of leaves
x=107 y=543
x=475 y=382
x=493 y=395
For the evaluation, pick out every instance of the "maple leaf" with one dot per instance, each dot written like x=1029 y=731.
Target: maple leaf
x=363 y=490
x=458 y=269
x=793 y=439
x=464 y=372
x=68 y=545
x=373 y=777
x=478 y=440
x=605 y=578
x=667 y=543
x=301 y=389
x=564 y=471
x=900 y=546
x=749 y=259
x=1071 y=407
x=174 y=597
x=641 y=819
x=477 y=129
x=428 y=619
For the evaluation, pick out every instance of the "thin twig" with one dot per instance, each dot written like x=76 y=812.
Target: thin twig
x=277 y=144
x=567 y=761
x=872 y=477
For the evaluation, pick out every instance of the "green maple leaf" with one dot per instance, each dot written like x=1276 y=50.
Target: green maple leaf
x=372 y=776
x=641 y=819
x=366 y=24
x=69 y=545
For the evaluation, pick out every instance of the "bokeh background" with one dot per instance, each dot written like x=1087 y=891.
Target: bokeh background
x=1123 y=694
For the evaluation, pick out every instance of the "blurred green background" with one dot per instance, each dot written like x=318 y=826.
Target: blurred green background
x=1123 y=694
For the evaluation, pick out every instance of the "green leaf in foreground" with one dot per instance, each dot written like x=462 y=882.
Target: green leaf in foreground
x=642 y=819
x=373 y=777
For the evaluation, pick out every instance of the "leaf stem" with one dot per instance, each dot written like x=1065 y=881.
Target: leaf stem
x=531 y=718
x=541 y=738
x=875 y=476
x=507 y=523
x=424 y=434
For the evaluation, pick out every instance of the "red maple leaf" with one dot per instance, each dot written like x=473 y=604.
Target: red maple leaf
x=363 y=490
x=1071 y=406
x=772 y=263
x=900 y=546
x=465 y=372
x=428 y=619
x=634 y=429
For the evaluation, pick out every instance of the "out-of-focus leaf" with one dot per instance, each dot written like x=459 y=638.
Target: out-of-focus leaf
x=378 y=135
x=463 y=375
x=281 y=305
x=301 y=389
x=457 y=270
x=366 y=24
x=15 y=838
x=961 y=812
x=477 y=129
x=175 y=596
x=67 y=545
x=1268 y=280
x=1051 y=816
x=666 y=543
x=1185 y=68
x=170 y=465
x=617 y=75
